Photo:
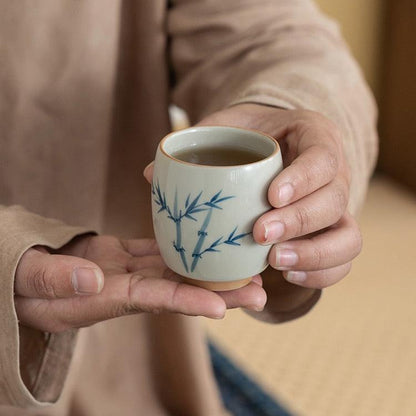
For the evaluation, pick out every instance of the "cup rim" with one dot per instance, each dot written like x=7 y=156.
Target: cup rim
x=267 y=136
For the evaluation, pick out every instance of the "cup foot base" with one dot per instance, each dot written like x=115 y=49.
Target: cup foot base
x=218 y=286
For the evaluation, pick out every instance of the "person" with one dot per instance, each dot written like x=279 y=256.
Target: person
x=85 y=90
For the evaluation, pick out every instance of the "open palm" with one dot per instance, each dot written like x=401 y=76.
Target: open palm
x=135 y=280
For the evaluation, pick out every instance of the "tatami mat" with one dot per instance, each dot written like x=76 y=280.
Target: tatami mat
x=355 y=353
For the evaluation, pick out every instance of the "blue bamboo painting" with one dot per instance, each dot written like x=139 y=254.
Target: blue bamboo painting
x=191 y=207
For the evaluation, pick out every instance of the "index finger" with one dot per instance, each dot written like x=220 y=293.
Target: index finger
x=315 y=161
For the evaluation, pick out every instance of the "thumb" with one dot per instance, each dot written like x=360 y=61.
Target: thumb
x=148 y=172
x=48 y=276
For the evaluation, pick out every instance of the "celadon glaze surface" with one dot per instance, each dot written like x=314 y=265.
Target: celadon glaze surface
x=203 y=215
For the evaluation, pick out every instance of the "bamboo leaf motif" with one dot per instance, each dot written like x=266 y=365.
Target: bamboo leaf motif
x=232 y=240
x=213 y=245
x=224 y=199
x=193 y=206
x=214 y=198
x=211 y=205
x=195 y=201
x=160 y=198
x=194 y=211
x=232 y=243
x=190 y=217
x=232 y=233
x=214 y=201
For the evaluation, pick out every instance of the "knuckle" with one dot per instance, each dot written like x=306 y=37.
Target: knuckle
x=305 y=114
x=174 y=302
x=345 y=170
x=308 y=178
x=317 y=119
x=340 y=199
x=317 y=257
x=130 y=306
x=42 y=284
x=303 y=176
x=302 y=221
x=332 y=162
x=309 y=118
x=331 y=128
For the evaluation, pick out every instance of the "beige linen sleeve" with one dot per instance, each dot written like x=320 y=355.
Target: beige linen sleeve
x=279 y=53
x=33 y=364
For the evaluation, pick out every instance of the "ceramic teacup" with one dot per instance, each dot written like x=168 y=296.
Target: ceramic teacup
x=209 y=187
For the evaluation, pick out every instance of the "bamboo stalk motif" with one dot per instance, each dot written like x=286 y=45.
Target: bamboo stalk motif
x=191 y=208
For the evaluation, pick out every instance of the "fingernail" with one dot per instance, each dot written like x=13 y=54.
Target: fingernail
x=296 y=277
x=273 y=231
x=286 y=193
x=87 y=280
x=285 y=258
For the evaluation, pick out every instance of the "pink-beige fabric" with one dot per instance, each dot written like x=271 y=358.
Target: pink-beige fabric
x=84 y=93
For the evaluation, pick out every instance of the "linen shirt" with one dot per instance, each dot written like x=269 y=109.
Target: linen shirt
x=85 y=88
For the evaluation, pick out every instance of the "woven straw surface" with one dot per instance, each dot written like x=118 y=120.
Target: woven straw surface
x=355 y=353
